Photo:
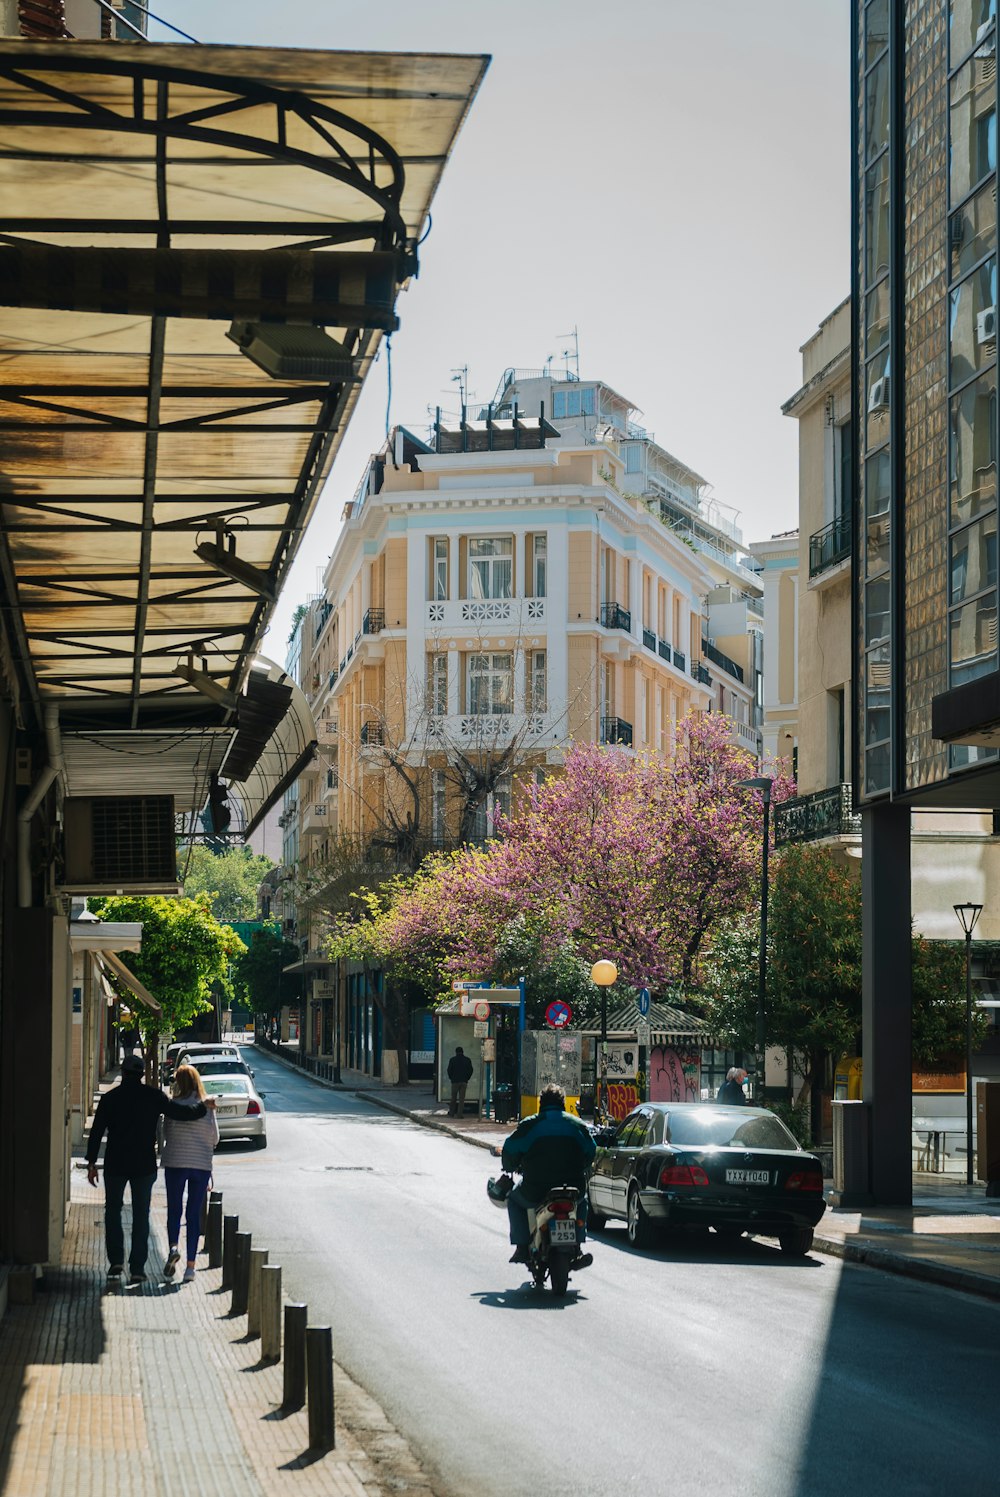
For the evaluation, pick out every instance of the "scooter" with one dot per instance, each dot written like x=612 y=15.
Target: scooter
x=556 y=1224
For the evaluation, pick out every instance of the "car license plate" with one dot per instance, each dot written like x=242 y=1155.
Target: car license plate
x=226 y=1112
x=748 y=1177
x=562 y=1233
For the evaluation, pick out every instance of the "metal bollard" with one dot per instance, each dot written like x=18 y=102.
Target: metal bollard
x=270 y=1312
x=241 y=1273
x=213 y=1234
x=210 y=1196
x=230 y=1227
x=258 y=1257
x=319 y=1374
x=294 y=1387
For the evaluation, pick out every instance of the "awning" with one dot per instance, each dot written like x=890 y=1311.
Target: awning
x=105 y=935
x=275 y=742
x=118 y=968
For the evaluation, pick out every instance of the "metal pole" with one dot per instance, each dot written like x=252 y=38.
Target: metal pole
x=213 y=1234
x=241 y=1273
x=319 y=1374
x=968 y=1058
x=258 y=1257
x=761 y=1035
x=294 y=1385
x=230 y=1227
x=270 y=1312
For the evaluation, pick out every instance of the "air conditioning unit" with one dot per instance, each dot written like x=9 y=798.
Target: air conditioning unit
x=986 y=325
x=125 y=844
x=878 y=396
x=984 y=30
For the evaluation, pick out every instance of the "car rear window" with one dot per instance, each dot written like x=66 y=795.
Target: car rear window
x=220 y=1067
x=761 y=1131
x=216 y=1086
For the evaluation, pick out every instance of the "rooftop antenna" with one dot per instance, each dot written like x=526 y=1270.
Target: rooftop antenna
x=572 y=354
x=547 y=367
x=461 y=378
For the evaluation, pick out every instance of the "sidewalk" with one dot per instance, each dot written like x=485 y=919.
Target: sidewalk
x=153 y=1391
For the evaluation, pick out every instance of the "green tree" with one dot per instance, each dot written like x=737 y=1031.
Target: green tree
x=185 y=952
x=814 y=974
x=259 y=978
x=229 y=880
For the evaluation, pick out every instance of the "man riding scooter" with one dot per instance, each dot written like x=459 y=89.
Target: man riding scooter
x=551 y=1148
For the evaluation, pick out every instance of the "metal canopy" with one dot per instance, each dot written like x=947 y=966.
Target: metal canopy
x=147 y=196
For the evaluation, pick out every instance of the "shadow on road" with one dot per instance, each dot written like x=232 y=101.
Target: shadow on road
x=527 y=1297
x=704 y=1247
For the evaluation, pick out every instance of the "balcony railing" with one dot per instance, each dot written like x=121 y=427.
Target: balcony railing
x=665 y=651
x=701 y=673
x=616 y=730
x=613 y=616
x=680 y=660
x=372 y=734
x=830 y=545
x=807 y=818
x=649 y=640
x=373 y=621
x=334 y=675
x=722 y=661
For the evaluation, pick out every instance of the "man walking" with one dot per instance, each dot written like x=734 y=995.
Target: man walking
x=459 y=1074
x=129 y=1114
x=731 y=1092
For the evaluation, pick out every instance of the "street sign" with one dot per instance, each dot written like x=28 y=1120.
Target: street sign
x=480 y=1011
x=480 y=1029
x=644 y=1033
x=644 y=1001
x=558 y=1015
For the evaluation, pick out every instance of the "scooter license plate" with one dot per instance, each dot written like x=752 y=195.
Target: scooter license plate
x=562 y=1233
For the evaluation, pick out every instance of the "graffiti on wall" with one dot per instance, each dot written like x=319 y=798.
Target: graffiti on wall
x=622 y=1097
x=674 y=1075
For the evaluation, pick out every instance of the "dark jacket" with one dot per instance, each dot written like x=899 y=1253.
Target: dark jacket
x=731 y=1094
x=460 y=1068
x=129 y=1114
x=551 y=1148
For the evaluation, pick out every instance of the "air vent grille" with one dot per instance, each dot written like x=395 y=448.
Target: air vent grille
x=133 y=838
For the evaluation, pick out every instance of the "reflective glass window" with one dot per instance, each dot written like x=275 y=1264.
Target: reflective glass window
x=876 y=28
x=974 y=322
x=877 y=673
x=877 y=317
x=877 y=108
x=968 y=26
x=973 y=231
x=973 y=458
x=974 y=559
x=973 y=639
x=877 y=724
x=877 y=521
x=973 y=123
x=877 y=220
x=877 y=400
x=877 y=611
x=877 y=769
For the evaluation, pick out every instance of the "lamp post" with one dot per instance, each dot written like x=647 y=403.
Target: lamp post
x=762 y=783
x=968 y=914
x=603 y=974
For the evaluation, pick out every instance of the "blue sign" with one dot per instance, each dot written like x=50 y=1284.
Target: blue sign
x=644 y=1001
x=558 y=1015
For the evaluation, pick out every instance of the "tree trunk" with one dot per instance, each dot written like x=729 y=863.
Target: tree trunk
x=395 y=1019
x=817 y=1075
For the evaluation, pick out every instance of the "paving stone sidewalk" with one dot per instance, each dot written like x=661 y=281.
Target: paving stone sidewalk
x=155 y=1391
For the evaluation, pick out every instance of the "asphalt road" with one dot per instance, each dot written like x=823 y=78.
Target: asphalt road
x=700 y=1369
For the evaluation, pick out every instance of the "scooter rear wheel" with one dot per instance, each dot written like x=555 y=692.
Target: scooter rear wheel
x=559 y=1272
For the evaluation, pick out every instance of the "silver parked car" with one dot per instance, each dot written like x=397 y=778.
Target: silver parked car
x=239 y=1107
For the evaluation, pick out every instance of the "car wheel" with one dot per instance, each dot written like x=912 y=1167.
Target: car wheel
x=796 y=1242
x=260 y=1142
x=638 y=1224
x=559 y=1272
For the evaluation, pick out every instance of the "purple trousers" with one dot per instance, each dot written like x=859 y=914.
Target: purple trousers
x=196 y=1182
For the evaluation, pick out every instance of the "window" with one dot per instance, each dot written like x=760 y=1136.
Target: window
x=973 y=322
x=491 y=809
x=491 y=683
x=973 y=122
x=537 y=682
x=437 y=684
x=967 y=22
x=539 y=563
x=845 y=470
x=491 y=566
x=439 y=587
x=573 y=402
x=633 y=457
x=438 y=793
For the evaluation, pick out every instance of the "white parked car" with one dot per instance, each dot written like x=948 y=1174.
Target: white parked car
x=239 y=1107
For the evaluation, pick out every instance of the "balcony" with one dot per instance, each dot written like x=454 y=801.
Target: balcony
x=721 y=660
x=486 y=728
x=614 y=730
x=459 y=613
x=613 y=616
x=372 y=734
x=373 y=621
x=316 y=822
x=327 y=732
x=812 y=818
x=744 y=736
x=680 y=660
x=701 y=673
x=649 y=640
x=664 y=651
x=830 y=546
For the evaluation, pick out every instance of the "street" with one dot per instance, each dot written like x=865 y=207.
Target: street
x=700 y=1368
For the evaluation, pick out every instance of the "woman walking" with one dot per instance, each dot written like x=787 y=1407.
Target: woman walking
x=186 y=1157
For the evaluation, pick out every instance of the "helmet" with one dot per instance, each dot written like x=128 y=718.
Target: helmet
x=499 y=1190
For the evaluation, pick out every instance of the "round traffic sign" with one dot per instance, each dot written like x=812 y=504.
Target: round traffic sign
x=558 y=1015
x=480 y=1011
x=644 y=997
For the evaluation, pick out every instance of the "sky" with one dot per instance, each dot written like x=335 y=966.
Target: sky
x=669 y=177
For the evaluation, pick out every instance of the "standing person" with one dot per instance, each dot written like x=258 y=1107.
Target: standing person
x=186 y=1157
x=459 y=1074
x=731 y=1091
x=129 y=1114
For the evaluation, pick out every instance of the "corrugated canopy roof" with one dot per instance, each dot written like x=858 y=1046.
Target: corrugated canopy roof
x=151 y=195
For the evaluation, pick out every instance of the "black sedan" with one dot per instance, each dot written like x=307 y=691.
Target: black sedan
x=737 y=1169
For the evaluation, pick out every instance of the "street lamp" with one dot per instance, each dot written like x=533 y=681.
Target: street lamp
x=762 y=783
x=968 y=914
x=603 y=974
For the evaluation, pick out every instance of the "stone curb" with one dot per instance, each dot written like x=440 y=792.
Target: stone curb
x=425 y=1122
x=925 y=1269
